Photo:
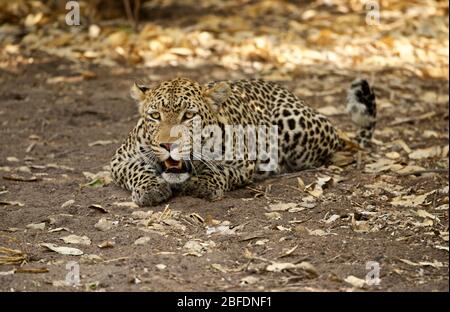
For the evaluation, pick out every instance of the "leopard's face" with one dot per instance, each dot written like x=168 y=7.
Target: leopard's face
x=169 y=112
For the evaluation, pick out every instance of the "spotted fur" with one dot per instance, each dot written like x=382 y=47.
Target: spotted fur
x=305 y=138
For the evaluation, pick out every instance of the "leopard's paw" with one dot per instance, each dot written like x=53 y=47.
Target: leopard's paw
x=202 y=189
x=151 y=195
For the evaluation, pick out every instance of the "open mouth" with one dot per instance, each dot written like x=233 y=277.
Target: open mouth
x=175 y=166
x=172 y=165
x=176 y=171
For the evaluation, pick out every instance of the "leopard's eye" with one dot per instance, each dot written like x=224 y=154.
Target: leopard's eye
x=188 y=115
x=155 y=116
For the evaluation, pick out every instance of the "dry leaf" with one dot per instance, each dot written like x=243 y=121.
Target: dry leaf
x=126 y=204
x=63 y=250
x=98 y=207
x=273 y=215
x=442 y=248
x=332 y=218
x=174 y=223
x=11 y=203
x=90 y=259
x=68 y=203
x=10 y=272
x=197 y=248
x=434 y=151
x=75 y=239
x=409 y=169
x=425 y=214
x=104 y=225
x=316 y=188
x=435 y=264
x=282 y=206
x=289 y=252
x=106 y=244
x=262 y=242
x=342 y=158
x=198 y=218
x=59 y=229
x=360 y=226
x=392 y=155
x=409 y=200
x=221 y=229
x=355 y=282
x=15 y=177
x=99 y=179
x=248 y=280
x=219 y=267
x=140 y=214
x=282 y=266
x=301 y=184
x=142 y=240
x=381 y=165
x=36 y=226
x=161 y=266
x=318 y=232
x=100 y=142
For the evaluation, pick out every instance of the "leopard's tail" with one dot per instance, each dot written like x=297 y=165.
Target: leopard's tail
x=362 y=108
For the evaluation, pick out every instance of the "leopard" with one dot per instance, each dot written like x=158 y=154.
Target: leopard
x=154 y=165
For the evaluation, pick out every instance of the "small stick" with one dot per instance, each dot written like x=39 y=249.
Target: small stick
x=406 y=120
x=423 y=171
x=137 y=8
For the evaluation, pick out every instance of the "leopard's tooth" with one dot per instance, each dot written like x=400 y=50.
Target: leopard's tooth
x=179 y=165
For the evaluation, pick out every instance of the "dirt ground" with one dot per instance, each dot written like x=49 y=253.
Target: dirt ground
x=64 y=113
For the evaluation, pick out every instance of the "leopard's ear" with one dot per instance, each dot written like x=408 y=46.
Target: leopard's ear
x=217 y=95
x=137 y=92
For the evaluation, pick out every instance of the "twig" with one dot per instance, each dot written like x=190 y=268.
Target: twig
x=127 y=5
x=116 y=259
x=299 y=221
x=406 y=120
x=31 y=270
x=137 y=8
x=133 y=16
x=417 y=172
x=292 y=175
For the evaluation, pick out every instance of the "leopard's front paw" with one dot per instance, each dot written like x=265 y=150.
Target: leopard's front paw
x=151 y=195
x=202 y=189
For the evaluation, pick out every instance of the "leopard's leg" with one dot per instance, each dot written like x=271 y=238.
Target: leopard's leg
x=212 y=181
x=147 y=187
x=136 y=170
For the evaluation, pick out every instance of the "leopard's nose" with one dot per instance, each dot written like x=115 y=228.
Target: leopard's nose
x=168 y=146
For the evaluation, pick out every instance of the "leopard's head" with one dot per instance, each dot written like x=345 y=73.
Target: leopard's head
x=169 y=110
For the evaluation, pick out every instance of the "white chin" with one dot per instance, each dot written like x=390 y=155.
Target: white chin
x=175 y=178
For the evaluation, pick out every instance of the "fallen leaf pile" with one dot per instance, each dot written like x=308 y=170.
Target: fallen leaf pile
x=298 y=35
